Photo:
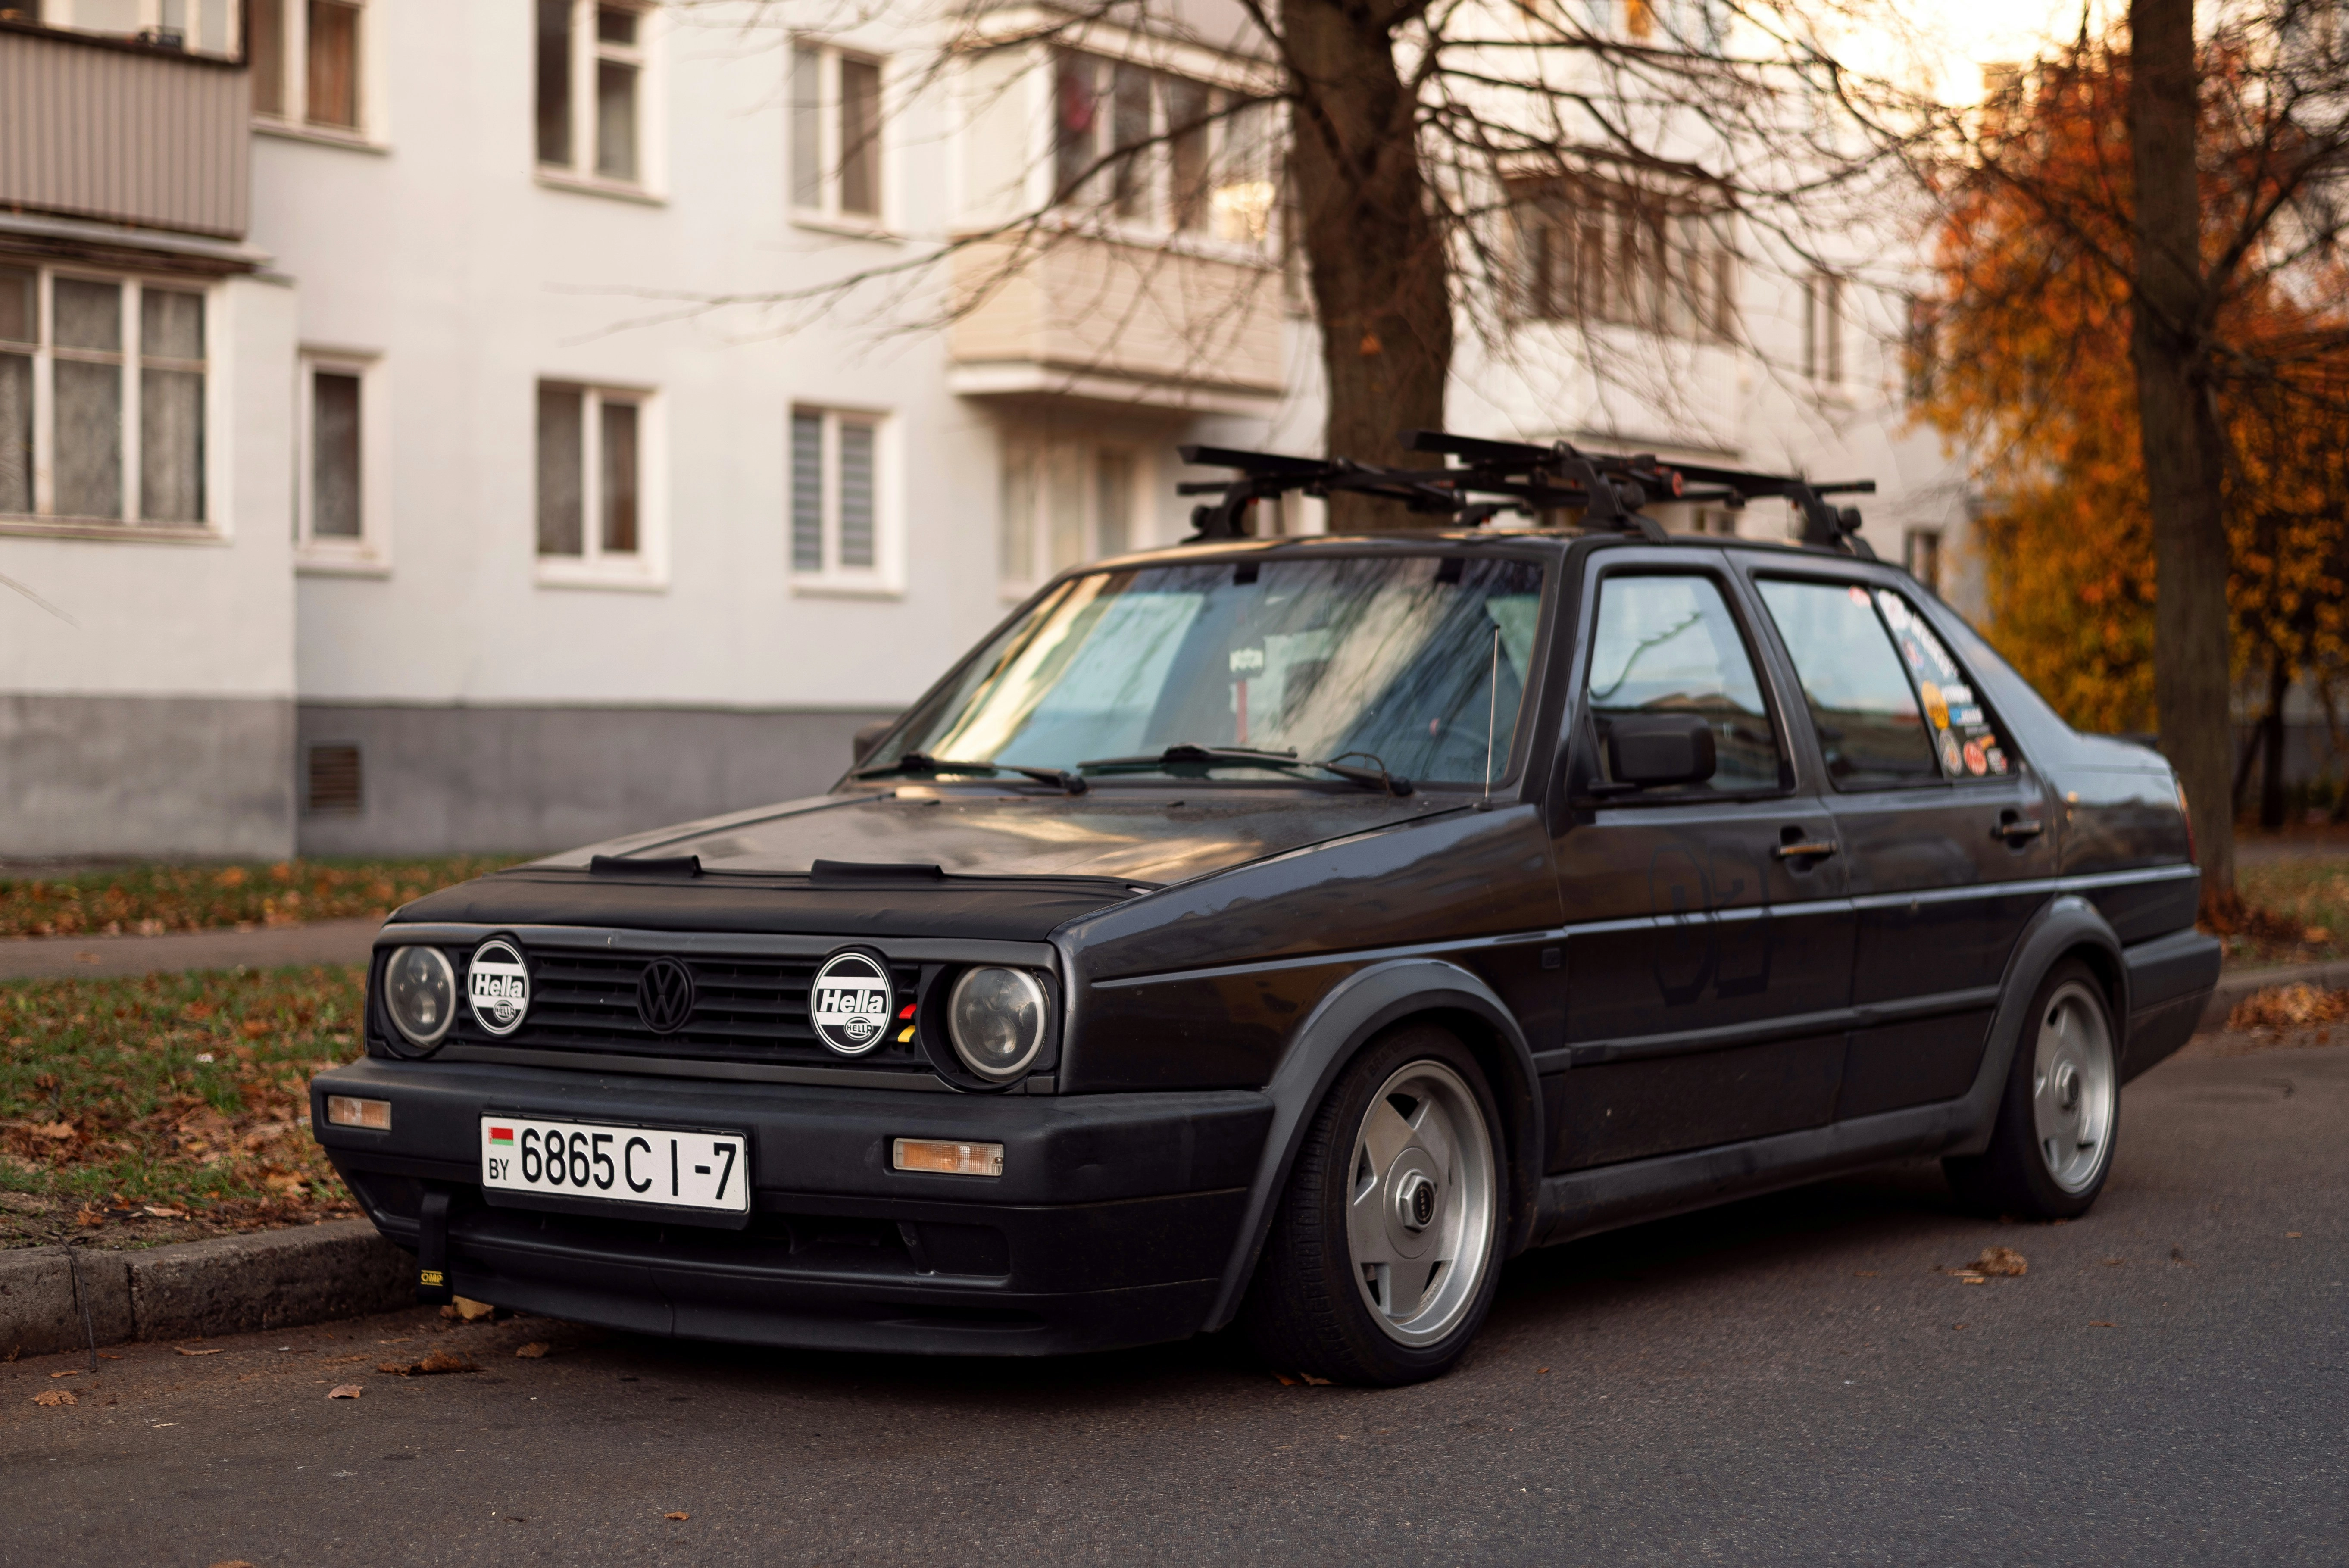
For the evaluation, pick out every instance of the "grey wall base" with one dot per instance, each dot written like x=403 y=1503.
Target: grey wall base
x=192 y=778
x=439 y=780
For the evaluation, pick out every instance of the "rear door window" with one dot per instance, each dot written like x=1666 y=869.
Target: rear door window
x=1891 y=706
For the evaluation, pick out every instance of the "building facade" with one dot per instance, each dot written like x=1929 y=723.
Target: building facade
x=410 y=446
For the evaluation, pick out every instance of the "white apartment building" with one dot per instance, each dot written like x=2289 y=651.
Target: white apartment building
x=384 y=468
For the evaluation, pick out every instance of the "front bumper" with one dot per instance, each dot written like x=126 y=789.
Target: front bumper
x=1112 y=1224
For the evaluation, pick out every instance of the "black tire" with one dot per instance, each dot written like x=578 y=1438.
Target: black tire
x=1310 y=1306
x=2040 y=1165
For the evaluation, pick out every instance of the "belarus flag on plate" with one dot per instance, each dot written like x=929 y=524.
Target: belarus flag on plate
x=501 y=1135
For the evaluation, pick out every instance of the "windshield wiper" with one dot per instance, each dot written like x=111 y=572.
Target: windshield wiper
x=1374 y=777
x=1060 y=778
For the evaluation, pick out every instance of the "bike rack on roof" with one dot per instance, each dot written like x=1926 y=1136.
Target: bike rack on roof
x=1609 y=489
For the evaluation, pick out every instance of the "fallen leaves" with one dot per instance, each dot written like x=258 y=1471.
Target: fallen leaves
x=53 y=1397
x=55 y=1131
x=680 y=1518
x=345 y=1391
x=157 y=1211
x=2100 y=1323
x=208 y=1350
x=2289 y=1007
x=467 y=1309
x=68 y=1372
x=432 y=1365
x=2003 y=1262
x=533 y=1350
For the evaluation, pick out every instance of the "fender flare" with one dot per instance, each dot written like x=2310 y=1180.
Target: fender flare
x=2065 y=924
x=1347 y=1017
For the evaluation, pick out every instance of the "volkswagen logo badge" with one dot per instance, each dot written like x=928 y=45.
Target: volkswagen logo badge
x=664 y=995
x=849 y=1001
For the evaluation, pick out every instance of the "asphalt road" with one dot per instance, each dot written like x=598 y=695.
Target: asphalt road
x=1790 y=1379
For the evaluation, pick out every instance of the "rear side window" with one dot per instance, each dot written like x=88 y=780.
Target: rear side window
x=1890 y=705
x=1668 y=644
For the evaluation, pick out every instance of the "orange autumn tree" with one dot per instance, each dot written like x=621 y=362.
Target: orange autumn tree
x=2032 y=376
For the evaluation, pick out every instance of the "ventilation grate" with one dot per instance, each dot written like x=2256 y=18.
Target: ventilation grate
x=335 y=780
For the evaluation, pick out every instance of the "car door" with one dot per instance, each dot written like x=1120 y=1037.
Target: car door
x=1706 y=922
x=1944 y=827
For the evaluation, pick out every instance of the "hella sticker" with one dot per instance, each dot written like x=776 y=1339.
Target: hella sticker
x=497 y=983
x=849 y=1003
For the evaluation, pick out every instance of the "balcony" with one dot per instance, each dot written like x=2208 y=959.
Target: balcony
x=122 y=133
x=1136 y=322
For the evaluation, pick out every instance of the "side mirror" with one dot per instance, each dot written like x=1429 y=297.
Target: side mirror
x=1649 y=751
x=861 y=745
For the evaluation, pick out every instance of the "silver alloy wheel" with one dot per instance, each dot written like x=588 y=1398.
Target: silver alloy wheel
x=1420 y=1202
x=2073 y=1087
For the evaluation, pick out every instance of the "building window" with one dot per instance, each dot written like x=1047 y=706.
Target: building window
x=590 y=90
x=1823 y=313
x=197 y=27
x=838 y=504
x=1162 y=152
x=102 y=398
x=337 y=500
x=590 y=475
x=1922 y=351
x=1592 y=250
x=305 y=59
x=835 y=134
x=1064 y=502
x=1921 y=553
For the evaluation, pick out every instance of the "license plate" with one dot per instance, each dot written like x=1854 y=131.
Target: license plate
x=669 y=1167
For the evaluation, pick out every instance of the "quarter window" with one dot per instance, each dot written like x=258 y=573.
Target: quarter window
x=1669 y=645
x=102 y=398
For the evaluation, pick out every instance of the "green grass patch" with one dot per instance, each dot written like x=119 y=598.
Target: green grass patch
x=148 y=900
x=187 y=1092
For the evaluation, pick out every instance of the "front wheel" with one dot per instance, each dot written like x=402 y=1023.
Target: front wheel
x=1384 y=1251
x=2053 y=1147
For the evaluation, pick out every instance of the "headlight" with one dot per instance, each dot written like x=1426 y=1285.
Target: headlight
x=420 y=992
x=996 y=1019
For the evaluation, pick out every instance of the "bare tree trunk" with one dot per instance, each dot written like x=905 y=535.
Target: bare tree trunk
x=2184 y=454
x=1373 y=250
x=2271 y=759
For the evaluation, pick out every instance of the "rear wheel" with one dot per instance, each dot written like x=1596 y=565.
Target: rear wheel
x=2053 y=1147
x=1384 y=1251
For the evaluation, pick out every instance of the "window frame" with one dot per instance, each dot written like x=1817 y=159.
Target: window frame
x=2018 y=764
x=369 y=554
x=587 y=53
x=885 y=577
x=1827 y=338
x=1583 y=723
x=131 y=359
x=1679 y=280
x=644 y=569
x=369 y=133
x=1094 y=199
x=830 y=112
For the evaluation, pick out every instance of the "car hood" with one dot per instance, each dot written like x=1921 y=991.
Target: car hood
x=1011 y=866
x=1153 y=839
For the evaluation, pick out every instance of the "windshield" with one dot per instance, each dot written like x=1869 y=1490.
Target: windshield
x=1418 y=660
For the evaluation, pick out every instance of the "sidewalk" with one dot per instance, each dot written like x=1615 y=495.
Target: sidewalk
x=270 y=947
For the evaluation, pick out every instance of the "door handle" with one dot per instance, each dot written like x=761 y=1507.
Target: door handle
x=1817 y=850
x=2018 y=829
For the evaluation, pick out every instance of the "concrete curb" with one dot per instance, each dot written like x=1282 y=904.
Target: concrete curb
x=271 y=947
x=2234 y=984
x=229 y=1284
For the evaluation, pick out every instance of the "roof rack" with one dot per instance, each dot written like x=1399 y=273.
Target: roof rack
x=1609 y=489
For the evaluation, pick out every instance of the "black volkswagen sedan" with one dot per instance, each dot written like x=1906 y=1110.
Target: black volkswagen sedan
x=1286 y=932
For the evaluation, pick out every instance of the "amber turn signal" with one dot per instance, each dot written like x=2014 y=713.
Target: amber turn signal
x=947 y=1158
x=348 y=1111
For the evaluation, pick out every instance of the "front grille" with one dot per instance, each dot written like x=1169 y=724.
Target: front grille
x=744 y=1010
